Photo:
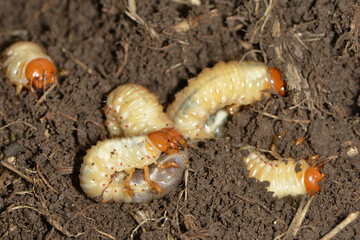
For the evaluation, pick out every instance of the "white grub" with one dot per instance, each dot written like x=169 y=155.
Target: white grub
x=285 y=177
x=132 y=110
x=107 y=165
x=38 y=77
x=232 y=83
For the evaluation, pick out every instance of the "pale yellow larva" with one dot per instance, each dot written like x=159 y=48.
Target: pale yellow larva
x=282 y=175
x=106 y=158
x=132 y=110
x=232 y=83
x=27 y=65
x=107 y=171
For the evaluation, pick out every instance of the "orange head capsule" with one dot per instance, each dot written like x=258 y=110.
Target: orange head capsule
x=276 y=81
x=311 y=180
x=167 y=140
x=41 y=73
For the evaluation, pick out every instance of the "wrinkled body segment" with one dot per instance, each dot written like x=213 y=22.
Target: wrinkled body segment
x=282 y=175
x=232 y=83
x=108 y=164
x=106 y=158
x=132 y=110
x=27 y=65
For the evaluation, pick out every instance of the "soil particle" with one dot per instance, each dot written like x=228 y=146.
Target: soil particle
x=100 y=47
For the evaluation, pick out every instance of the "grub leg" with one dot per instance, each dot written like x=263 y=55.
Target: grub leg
x=168 y=165
x=127 y=180
x=153 y=185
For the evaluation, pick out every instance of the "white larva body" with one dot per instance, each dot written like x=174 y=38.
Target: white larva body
x=132 y=110
x=238 y=83
x=103 y=171
x=112 y=156
x=17 y=57
x=282 y=176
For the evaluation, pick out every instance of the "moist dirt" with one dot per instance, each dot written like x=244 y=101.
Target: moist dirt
x=98 y=46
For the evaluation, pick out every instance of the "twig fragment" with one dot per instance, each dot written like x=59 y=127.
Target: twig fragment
x=349 y=219
x=144 y=221
x=267 y=14
x=77 y=61
x=50 y=114
x=283 y=119
x=15 y=33
x=49 y=217
x=103 y=130
x=13 y=169
x=298 y=219
x=193 y=22
x=131 y=13
x=42 y=98
x=189 y=2
x=18 y=121
x=125 y=46
x=104 y=233
x=44 y=179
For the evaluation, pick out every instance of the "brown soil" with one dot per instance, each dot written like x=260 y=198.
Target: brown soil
x=315 y=44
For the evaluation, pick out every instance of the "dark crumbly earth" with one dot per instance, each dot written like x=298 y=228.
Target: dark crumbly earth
x=99 y=46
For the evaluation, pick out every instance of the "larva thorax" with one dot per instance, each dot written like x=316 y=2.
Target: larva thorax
x=132 y=110
x=232 y=83
x=27 y=65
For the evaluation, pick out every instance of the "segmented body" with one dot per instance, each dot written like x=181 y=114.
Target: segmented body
x=132 y=110
x=129 y=169
x=238 y=83
x=27 y=65
x=282 y=175
x=106 y=158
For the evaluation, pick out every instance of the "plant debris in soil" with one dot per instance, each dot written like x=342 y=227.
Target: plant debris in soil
x=99 y=45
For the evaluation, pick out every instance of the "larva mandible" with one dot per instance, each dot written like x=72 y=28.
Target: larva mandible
x=132 y=110
x=233 y=83
x=282 y=175
x=108 y=167
x=27 y=65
